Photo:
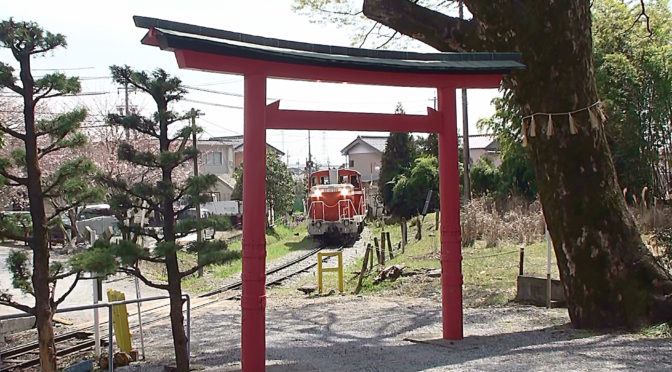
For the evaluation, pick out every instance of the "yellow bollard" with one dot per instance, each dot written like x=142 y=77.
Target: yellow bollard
x=338 y=269
x=120 y=321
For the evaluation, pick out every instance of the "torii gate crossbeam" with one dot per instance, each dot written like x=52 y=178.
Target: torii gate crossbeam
x=259 y=58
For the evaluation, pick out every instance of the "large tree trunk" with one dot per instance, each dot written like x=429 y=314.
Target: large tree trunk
x=610 y=277
x=176 y=315
x=39 y=241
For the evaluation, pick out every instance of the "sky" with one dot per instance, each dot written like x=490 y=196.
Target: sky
x=101 y=34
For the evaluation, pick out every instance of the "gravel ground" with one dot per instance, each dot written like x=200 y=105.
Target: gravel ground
x=350 y=333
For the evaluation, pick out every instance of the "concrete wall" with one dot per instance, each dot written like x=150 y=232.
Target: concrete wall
x=531 y=289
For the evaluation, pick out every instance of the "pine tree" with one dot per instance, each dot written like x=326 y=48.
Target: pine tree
x=397 y=159
x=280 y=185
x=165 y=186
x=45 y=167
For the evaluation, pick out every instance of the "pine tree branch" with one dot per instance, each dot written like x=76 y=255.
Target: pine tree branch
x=51 y=148
x=63 y=276
x=10 y=235
x=6 y=300
x=136 y=272
x=13 y=87
x=72 y=287
x=56 y=182
x=192 y=270
x=21 y=181
x=13 y=133
x=153 y=259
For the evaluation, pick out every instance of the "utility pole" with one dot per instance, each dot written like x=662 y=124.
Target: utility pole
x=127 y=107
x=465 y=132
x=199 y=233
x=310 y=157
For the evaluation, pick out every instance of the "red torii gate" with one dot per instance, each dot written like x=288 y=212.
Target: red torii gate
x=258 y=58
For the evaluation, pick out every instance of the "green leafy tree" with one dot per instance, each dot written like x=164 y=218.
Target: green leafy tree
x=397 y=158
x=280 y=185
x=485 y=177
x=42 y=165
x=410 y=190
x=609 y=276
x=428 y=146
x=165 y=185
x=634 y=74
x=517 y=175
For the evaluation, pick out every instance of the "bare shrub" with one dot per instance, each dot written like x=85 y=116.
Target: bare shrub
x=661 y=243
x=653 y=217
x=513 y=220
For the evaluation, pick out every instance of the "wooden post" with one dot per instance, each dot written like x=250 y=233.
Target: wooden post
x=382 y=247
x=389 y=244
x=370 y=257
x=364 y=264
x=521 y=261
x=375 y=242
x=403 y=235
x=418 y=235
x=436 y=220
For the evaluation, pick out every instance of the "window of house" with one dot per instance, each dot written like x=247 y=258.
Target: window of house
x=352 y=163
x=213 y=158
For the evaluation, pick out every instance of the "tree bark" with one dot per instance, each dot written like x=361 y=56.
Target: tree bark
x=609 y=276
x=39 y=243
x=172 y=266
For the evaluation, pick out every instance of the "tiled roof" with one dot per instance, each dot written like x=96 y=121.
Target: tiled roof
x=376 y=142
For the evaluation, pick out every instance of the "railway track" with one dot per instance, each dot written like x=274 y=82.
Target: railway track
x=24 y=356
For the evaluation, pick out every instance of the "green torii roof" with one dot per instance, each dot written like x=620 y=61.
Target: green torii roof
x=173 y=35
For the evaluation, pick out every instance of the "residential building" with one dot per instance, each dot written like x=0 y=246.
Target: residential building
x=483 y=145
x=220 y=156
x=237 y=144
x=364 y=155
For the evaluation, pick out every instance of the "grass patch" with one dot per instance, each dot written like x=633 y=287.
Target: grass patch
x=279 y=241
x=489 y=273
x=658 y=331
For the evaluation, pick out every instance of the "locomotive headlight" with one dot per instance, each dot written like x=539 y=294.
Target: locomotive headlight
x=345 y=191
x=317 y=193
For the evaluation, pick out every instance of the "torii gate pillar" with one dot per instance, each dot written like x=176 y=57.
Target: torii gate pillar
x=449 y=187
x=253 y=301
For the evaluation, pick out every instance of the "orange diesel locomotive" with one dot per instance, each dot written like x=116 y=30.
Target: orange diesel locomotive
x=337 y=204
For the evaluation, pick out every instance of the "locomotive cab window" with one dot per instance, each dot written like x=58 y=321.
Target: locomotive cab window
x=313 y=181
x=324 y=180
x=343 y=179
x=354 y=180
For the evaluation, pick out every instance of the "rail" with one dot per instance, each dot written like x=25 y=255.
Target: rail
x=109 y=320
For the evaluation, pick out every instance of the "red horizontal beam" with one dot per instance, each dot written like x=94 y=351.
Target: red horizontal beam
x=331 y=120
x=237 y=65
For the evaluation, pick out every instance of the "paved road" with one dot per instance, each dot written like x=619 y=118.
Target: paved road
x=82 y=295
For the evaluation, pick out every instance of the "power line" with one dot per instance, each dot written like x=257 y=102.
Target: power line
x=212 y=104
x=211 y=123
x=63 y=69
x=213 y=91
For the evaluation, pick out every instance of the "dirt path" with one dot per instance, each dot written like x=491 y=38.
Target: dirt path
x=349 y=333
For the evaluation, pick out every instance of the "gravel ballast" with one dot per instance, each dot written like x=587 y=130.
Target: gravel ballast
x=350 y=333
